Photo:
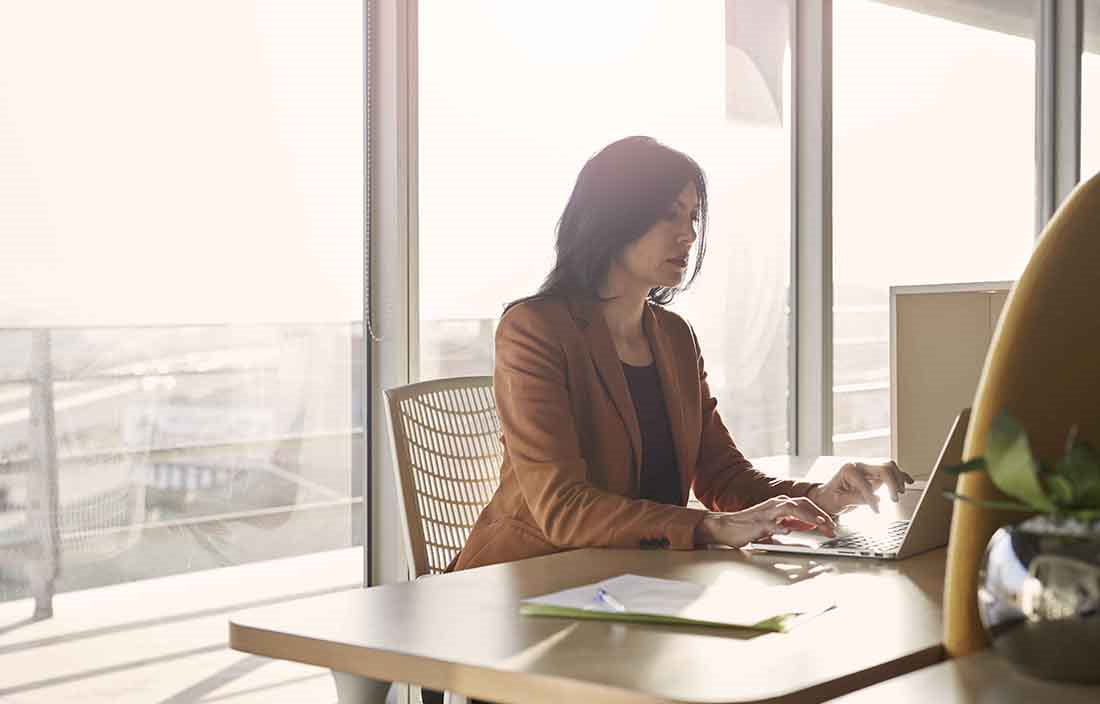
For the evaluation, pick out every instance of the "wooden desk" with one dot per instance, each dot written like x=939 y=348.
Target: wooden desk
x=975 y=679
x=463 y=632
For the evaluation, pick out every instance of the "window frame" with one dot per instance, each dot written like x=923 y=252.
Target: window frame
x=393 y=131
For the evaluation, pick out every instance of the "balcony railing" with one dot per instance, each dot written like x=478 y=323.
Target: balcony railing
x=111 y=435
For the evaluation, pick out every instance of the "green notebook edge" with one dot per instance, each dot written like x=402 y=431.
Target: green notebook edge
x=776 y=624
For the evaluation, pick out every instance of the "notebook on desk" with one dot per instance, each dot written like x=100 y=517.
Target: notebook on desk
x=727 y=603
x=926 y=530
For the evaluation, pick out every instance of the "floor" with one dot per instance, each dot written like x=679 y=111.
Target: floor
x=163 y=640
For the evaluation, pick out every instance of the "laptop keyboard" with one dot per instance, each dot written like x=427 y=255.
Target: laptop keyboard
x=887 y=541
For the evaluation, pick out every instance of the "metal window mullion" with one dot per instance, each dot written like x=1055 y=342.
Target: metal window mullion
x=812 y=240
x=367 y=384
x=393 y=186
x=1057 y=105
x=412 y=189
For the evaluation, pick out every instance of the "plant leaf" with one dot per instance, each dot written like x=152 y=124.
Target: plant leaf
x=1081 y=467
x=1012 y=468
x=1061 y=489
x=991 y=503
x=976 y=464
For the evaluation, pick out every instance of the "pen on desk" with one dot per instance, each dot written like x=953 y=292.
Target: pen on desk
x=605 y=596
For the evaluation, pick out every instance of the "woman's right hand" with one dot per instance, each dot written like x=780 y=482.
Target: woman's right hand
x=776 y=515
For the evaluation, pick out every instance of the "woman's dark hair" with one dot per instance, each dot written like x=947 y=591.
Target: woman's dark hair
x=620 y=193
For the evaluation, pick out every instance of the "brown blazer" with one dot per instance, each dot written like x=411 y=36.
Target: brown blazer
x=572 y=447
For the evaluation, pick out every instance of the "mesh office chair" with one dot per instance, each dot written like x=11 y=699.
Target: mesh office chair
x=445 y=438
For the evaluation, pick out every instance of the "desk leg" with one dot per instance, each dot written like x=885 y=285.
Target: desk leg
x=355 y=689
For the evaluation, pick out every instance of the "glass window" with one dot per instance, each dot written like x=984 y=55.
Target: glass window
x=514 y=97
x=933 y=174
x=180 y=285
x=1090 y=90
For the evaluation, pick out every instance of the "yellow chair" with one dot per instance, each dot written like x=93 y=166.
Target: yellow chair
x=1044 y=369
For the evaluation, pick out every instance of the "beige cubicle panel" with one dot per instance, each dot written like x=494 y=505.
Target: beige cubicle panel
x=939 y=337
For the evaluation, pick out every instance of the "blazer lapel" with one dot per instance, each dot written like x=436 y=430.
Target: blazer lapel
x=670 y=386
x=600 y=345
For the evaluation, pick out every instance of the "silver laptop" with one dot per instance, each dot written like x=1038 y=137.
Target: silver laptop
x=926 y=530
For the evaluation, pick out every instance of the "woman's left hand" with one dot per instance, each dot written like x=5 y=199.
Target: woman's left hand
x=856 y=483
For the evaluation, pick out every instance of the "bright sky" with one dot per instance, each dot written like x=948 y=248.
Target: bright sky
x=207 y=171
x=166 y=162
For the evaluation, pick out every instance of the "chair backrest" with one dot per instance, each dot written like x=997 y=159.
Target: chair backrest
x=445 y=437
x=1042 y=369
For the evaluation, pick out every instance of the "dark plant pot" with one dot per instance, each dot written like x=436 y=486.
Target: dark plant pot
x=1039 y=597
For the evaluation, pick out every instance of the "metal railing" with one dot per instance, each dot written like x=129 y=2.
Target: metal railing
x=47 y=524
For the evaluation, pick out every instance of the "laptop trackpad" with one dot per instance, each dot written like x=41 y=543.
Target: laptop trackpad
x=806 y=539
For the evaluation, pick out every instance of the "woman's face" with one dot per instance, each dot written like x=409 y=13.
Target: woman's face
x=660 y=256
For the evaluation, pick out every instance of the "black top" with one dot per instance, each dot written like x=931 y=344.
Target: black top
x=660 y=474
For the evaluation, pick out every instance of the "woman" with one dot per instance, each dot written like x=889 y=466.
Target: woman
x=606 y=414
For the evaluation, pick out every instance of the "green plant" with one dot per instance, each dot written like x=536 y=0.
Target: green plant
x=1069 y=488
